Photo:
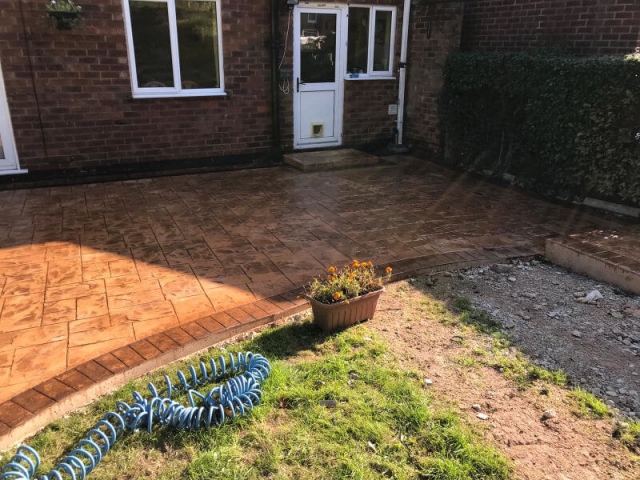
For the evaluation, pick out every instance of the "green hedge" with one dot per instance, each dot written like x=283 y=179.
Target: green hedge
x=562 y=125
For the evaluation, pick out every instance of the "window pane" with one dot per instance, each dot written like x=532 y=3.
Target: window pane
x=358 y=42
x=318 y=47
x=198 y=43
x=382 y=43
x=151 y=43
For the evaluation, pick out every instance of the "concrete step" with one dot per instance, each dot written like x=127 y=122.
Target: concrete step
x=329 y=159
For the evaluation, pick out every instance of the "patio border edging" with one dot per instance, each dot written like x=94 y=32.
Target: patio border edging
x=28 y=412
x=602 y=265
x=46 y=409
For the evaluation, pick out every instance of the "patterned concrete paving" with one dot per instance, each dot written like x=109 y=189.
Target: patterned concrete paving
x=87 y=269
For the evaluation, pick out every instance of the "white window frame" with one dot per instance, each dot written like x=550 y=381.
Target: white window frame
x=371 y=73
x=176 y=90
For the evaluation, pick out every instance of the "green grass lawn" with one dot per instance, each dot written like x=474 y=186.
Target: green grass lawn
x=384 y=425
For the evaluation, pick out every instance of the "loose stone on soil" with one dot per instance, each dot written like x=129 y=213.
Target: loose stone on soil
x=501 y=268
x=482 y=416
x=428 y=382
x=476 y=407
x=548 y=414
x=577 y=333
x=512 y=279
x=509 y=324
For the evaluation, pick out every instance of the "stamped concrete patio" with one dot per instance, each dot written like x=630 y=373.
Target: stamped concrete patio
x=86 y=270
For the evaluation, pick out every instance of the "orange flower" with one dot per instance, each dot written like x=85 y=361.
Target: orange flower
x=331 y=278
x=352 y=275
x=355 y=263
x=332 y=269
x=337 y=295
x=388 y=270
x=346 y=266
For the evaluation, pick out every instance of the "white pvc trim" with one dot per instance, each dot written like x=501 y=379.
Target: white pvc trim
x=341 y=66
x=372 y=40
x=6 y=131
x=182 y=94
x=13 y=172
x=365 y=78
x=176 y=91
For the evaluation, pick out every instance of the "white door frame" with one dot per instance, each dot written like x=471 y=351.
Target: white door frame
x=9 y=164
x=341 y=67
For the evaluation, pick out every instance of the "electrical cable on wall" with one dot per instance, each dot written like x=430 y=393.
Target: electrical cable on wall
x=285 y=86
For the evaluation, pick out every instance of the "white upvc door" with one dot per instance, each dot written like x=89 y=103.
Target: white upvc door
x=8 y=153
x=318 y=75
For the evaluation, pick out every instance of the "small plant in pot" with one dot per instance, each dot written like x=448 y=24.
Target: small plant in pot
x=347 y=296
x=64 y=14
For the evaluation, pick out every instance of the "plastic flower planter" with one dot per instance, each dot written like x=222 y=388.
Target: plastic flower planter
x=343 y=314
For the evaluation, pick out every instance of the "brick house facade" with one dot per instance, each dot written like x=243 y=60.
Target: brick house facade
x=72 y=107
x=69 y=92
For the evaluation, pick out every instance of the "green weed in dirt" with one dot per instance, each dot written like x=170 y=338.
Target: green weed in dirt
x=384 y=425
x=629 y=435
x=589 y=405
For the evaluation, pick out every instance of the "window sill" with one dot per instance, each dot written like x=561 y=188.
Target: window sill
x=178 y=95
x=14 y=172
x=370 y=77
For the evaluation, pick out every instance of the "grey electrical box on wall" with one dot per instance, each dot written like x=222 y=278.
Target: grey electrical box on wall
x=286 y=73
x=393 y=109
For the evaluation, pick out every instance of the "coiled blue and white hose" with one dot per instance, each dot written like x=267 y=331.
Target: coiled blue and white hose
x=235 y=397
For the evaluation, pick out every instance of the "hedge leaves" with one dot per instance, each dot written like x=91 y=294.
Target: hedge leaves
x=562 y=125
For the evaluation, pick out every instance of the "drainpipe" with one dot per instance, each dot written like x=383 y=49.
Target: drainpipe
x=403 y=69
x=275 y=97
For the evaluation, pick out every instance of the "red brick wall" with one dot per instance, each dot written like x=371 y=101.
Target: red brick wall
x=366 y=111
x=435 y=33
x=70 y=93
x=586 y=27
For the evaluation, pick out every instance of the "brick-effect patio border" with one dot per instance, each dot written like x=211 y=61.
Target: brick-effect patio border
x=31 y=410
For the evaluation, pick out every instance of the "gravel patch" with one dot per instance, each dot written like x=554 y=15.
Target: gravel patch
x=564 y=321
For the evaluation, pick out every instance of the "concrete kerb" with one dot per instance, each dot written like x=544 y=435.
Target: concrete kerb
x=600 y=269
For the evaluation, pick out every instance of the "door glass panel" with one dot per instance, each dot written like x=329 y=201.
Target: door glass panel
x=382 y=41
x=198 y=42
x=358 y=42
x=318 y=47
x=151 y=43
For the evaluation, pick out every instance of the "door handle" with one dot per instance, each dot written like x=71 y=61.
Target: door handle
x=298 y=83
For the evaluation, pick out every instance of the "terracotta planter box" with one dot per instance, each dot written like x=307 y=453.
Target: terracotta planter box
x=342 y=314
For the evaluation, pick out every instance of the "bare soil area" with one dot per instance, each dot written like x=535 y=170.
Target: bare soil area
x=544 y=311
